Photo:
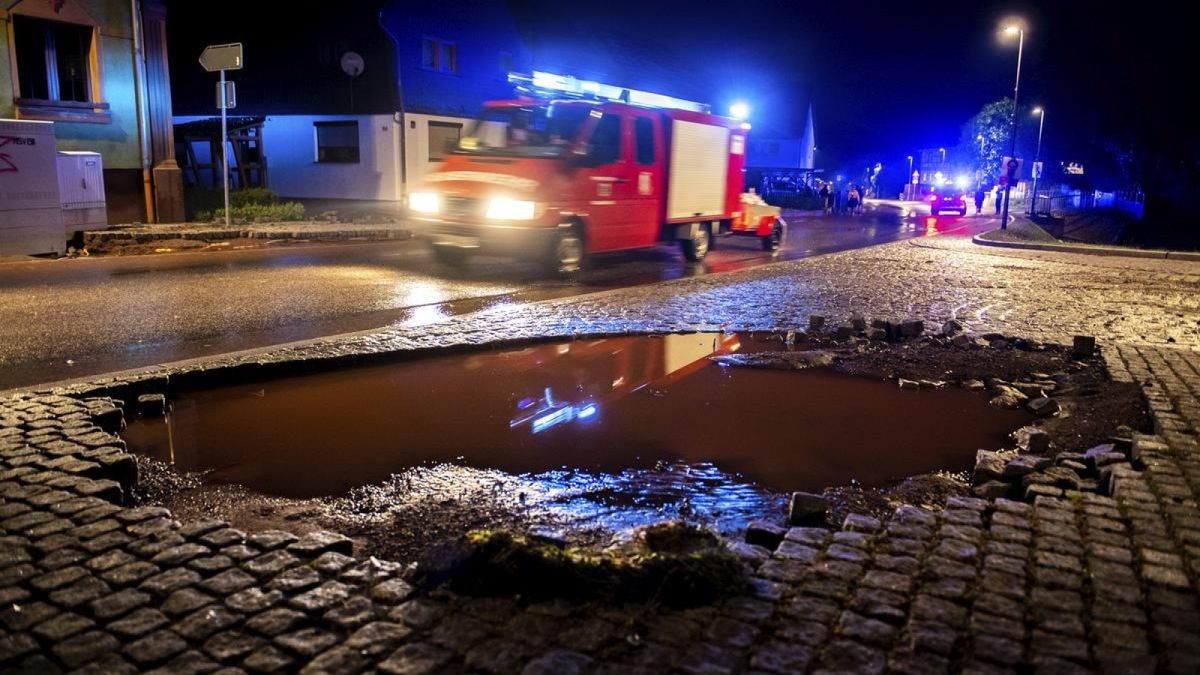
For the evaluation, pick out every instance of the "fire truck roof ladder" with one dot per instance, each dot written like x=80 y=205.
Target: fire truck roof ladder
x=550 y=85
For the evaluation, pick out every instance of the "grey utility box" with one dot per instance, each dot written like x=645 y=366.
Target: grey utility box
x=81 y=189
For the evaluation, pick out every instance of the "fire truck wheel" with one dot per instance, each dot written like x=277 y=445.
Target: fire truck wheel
x=696 y=248
x=773 y=241
x=566 y=252
x=451 y=256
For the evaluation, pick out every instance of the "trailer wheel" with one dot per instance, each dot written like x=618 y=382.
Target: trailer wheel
x=451 y=256
x=774 y=240
x=695 y=248
x=566 y=251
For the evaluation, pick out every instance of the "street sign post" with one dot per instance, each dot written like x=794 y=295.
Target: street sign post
x=222 y=58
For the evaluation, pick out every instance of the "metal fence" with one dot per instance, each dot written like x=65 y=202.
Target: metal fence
x=1055 y=203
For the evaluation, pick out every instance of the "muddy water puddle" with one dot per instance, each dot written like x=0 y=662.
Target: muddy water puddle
x=632 y=422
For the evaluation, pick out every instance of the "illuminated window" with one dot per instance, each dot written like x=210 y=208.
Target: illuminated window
x=337 y=142
x=443 y=136
x=439 y=55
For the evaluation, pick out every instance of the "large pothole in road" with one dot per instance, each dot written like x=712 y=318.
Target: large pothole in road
x=597 y=433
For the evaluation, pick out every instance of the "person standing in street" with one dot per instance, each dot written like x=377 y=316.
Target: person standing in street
x=826 y=198
x=979 y=194
x=852 y=200
x=999 y=197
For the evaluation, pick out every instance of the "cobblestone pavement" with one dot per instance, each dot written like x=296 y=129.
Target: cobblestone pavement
x=1083 y=583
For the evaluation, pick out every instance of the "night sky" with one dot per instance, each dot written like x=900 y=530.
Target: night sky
x=885 y=79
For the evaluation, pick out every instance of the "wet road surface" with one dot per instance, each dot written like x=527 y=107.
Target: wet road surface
x=64 y=319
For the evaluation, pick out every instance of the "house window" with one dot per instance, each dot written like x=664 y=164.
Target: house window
x=443 y=137
x=439 y=55
x=337 y=142
x=53 y=60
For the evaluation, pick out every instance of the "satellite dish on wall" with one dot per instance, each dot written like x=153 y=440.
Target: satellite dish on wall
x=352 y=64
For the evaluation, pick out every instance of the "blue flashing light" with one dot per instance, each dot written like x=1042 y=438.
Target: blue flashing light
x=553 y=418
x=543 y=83
x=739 y=111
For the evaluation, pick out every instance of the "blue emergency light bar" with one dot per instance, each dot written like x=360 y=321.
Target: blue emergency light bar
x=542 y=83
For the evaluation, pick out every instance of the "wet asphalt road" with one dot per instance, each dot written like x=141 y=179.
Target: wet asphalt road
x=72 y=318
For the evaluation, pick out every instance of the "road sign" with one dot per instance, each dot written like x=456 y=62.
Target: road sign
x=222 y=57
x=1012 y=166
x=1037 y=170
x=1003 y=180
x=226 y=95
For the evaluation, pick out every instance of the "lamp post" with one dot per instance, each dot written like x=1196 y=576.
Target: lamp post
x=943 y=151
x=1013 y=29
x=1037 y=157
x=908 y=178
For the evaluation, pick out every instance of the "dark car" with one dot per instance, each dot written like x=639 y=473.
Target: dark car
x=948 y=198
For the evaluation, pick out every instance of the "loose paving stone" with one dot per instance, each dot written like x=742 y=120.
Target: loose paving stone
x=322 y=598
x=315 y=543
x=352 y=613
x=270 y=564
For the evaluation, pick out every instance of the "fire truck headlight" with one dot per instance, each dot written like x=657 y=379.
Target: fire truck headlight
x=502 y=208
x=423 y=202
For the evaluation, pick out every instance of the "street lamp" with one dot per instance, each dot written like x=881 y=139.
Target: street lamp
x=980 y=139
x=1013 y=29
x=1037 y=157
x=943 y=151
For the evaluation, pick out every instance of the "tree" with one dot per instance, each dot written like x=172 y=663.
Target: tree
x=992 y=122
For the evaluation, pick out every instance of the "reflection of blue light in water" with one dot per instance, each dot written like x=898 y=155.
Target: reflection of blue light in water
x=526 y=403
x=587 y=411
x=553 y=418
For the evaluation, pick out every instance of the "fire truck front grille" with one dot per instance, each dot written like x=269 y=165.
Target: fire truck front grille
x=462 y=207
x=456 y=229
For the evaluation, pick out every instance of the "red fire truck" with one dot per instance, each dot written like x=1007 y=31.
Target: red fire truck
x=560 y=179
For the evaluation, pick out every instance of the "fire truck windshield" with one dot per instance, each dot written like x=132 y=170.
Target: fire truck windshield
x=535 y=130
